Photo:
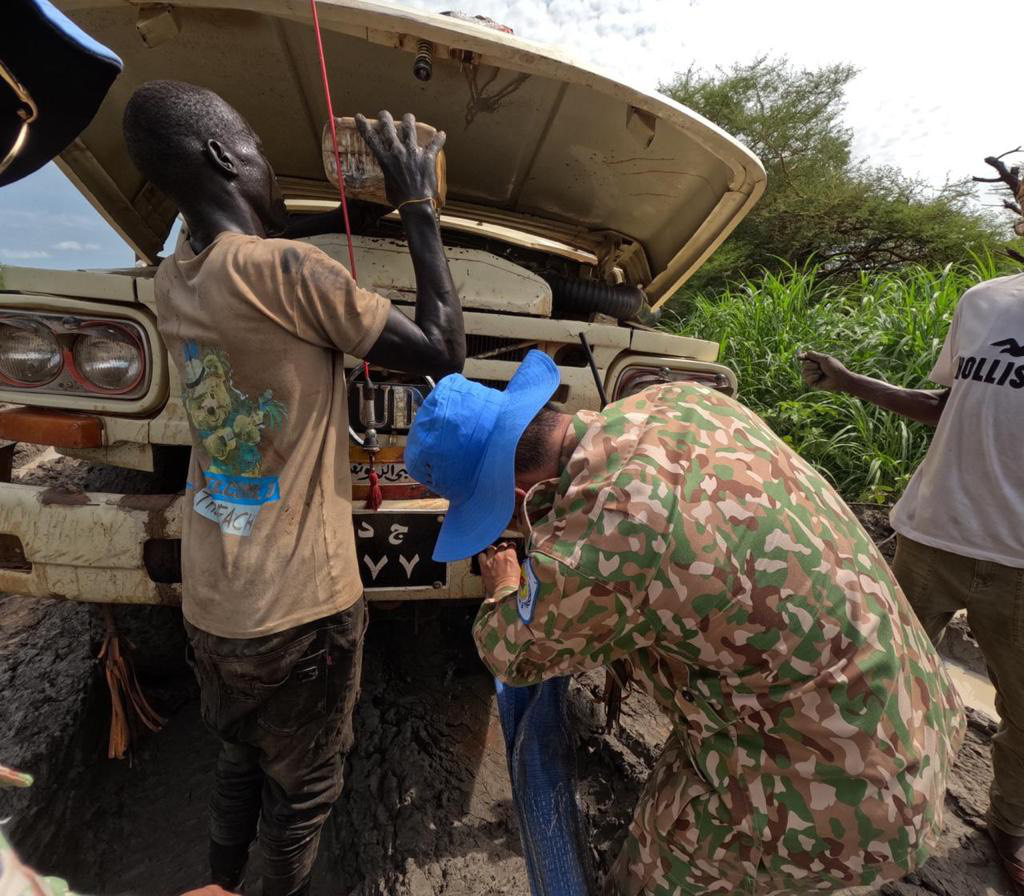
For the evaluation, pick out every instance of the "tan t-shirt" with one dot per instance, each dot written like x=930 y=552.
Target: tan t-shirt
x=256 y=328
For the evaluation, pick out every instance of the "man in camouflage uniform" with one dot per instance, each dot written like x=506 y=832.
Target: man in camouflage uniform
x=814 y=726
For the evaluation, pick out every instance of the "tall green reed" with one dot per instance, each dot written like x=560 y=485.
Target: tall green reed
x=890 y=326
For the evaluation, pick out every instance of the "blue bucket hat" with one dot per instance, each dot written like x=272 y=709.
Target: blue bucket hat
x=462 y=446
x=65 y=74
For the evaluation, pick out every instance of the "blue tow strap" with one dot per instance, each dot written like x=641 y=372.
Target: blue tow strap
x=542 y=766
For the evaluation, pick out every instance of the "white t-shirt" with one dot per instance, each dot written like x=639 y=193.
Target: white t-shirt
x=968 y=494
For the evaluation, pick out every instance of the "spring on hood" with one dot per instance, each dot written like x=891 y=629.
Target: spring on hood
x=423 y=64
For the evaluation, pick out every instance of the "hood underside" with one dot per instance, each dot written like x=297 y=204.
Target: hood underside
x=536 y=142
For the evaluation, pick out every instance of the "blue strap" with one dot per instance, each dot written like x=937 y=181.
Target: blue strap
x=542 y=766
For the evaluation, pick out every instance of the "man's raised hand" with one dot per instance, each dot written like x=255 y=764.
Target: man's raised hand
x=410 y=171
x=820 y=371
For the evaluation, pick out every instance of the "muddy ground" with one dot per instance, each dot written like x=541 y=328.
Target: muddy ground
x=426 y=809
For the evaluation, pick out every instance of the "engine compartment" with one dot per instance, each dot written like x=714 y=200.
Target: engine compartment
x=575 y=287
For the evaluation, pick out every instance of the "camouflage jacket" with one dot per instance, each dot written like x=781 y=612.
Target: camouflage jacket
x=685 y=537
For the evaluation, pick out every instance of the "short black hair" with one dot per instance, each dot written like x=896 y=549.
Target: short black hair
x=167 y=123
x=533 y=449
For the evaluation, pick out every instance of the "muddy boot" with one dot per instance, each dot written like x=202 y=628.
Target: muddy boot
x=227 y=865
x=1011 y=852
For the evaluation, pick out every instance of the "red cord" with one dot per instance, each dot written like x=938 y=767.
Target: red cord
x=334 y=138
x=374 y=496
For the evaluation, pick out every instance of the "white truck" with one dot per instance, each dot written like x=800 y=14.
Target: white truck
x=576 y=205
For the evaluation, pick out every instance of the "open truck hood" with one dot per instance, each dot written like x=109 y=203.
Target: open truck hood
x=536 y=141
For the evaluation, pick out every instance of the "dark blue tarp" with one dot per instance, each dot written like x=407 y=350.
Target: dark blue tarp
x=542 y=765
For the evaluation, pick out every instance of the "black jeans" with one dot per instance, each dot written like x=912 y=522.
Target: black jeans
x=282 y=706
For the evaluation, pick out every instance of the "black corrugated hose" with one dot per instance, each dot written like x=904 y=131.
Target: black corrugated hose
x=574 y=296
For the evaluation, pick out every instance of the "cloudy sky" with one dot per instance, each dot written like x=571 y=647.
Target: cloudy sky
x=934 y=96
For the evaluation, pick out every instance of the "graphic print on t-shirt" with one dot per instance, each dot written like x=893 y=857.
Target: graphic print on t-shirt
x=230 y=426
x=1010 y=347
x=1001 y=369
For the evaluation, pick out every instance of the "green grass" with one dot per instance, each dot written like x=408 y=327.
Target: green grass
x=890 y=326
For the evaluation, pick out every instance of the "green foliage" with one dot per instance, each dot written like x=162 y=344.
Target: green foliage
x=886 y=325
x=822 y=206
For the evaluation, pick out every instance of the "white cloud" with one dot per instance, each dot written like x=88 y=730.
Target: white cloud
x=23 y=254
x=20 y=218
x=75 y=246
x=930 y=97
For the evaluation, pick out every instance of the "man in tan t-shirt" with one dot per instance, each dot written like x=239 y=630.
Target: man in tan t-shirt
x=258 y=327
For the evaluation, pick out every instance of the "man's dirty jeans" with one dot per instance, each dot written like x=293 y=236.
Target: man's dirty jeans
x=282 y=706
x=938 y=584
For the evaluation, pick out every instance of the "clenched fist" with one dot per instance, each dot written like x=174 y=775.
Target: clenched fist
x=823 y=372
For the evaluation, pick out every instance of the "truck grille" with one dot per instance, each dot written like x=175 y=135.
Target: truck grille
x=497 y=348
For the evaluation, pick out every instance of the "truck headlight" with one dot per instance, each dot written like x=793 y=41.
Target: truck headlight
x=109 y=358
x=78 y=357
x=29 y=352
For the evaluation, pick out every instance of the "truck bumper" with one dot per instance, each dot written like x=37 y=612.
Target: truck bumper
x=111 y=548
x=87 y=546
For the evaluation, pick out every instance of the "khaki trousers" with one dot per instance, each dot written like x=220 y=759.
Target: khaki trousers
x=938 y=584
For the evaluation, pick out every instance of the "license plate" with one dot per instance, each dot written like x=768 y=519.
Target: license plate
x=394 y=550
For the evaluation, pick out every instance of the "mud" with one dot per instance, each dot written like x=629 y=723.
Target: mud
x=426 y=809
x=24 y=454
x=50 y=711
x=875 y=519
x=63 y=497
x=69 y=474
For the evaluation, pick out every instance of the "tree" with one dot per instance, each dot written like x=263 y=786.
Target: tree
x=822 y=205
x=1010 y=178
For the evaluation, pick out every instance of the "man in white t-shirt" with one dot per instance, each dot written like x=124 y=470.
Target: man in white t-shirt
x=961 y=520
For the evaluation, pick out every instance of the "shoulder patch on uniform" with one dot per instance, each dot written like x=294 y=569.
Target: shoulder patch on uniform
x=528 y=588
